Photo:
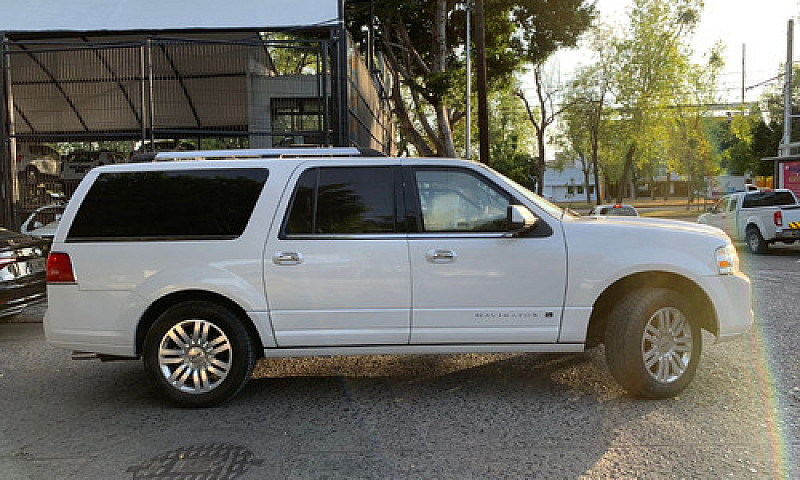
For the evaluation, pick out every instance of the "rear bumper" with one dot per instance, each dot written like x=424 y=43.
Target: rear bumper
x=787 y=234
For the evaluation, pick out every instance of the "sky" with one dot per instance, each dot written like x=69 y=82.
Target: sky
x=759 y=24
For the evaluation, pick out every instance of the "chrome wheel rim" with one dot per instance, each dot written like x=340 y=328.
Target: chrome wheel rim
x=195 y=356
x=667 y=345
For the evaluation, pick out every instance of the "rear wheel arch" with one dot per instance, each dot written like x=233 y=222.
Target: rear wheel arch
x=615 y=292
x=164 y=303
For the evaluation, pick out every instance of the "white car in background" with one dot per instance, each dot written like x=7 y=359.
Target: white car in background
x=43 y=222
x=78 y=164
x=37 y=162
x=616 y=209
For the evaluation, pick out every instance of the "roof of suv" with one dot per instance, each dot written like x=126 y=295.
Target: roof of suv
x=256 y=153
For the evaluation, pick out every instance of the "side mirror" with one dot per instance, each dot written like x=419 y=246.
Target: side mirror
x=520 y=220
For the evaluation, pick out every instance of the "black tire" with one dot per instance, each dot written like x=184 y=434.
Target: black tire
x=217 y=353
x=755 y=242
x=628 y=349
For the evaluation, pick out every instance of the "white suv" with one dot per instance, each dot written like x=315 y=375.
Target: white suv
x=202 y=267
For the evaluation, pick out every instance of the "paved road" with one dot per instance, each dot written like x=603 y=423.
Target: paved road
x=460 y=417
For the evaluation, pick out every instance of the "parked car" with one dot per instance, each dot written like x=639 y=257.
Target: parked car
x=77 y=164
x=37 y=163
x=614 y=209
x=201 y=267
x=759 y=218
x=43 y=221
x=22 y=271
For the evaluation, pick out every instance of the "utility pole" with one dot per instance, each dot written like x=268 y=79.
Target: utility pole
x=744 y=51
x=468 y=49
x=785 y=148
x=483 y=96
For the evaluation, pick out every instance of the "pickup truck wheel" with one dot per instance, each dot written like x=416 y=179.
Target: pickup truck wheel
x=198 y=354
x=755 y=242
x=653 y=343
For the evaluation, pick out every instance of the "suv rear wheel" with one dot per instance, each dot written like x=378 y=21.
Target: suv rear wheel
x=198 y=354
x=653 y=343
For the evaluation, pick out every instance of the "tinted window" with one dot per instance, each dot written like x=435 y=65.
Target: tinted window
x=767 y=199
x=185 y=204
x=343 y=200
x=453 y=200
x=621 y=211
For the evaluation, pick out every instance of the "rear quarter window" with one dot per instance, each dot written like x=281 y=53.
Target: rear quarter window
x=767 y=199
x=168 y=205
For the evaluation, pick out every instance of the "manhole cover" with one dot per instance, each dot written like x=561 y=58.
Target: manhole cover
x=211 y=461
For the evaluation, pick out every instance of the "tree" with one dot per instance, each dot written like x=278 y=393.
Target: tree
x=423 y=43
x=513 y=138
x=542 y=117
x=651 y=61
x=587 y=113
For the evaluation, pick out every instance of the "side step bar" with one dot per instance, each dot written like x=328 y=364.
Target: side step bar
x=76 y=355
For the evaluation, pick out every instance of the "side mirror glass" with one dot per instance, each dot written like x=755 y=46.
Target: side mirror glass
x=520 y=220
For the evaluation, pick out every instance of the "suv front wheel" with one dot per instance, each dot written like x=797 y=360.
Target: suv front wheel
x=198 y=354
x=653 y=343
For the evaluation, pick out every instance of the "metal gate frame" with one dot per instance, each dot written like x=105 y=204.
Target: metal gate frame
x=331 y=50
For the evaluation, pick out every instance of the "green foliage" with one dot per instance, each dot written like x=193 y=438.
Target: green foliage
x=512 y=138
x=432 y=97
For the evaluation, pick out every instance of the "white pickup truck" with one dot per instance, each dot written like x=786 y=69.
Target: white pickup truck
x=758 y=218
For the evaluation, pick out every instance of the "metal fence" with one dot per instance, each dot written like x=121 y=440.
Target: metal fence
x=82 y=95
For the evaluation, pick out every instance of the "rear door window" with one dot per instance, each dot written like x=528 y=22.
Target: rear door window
x=168 y=205
x=343 y=200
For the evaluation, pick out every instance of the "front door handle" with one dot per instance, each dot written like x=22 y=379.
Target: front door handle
x=440 y=256
x=287 y=258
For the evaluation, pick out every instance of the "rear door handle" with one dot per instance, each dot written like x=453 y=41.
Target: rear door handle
x=287 y=258
x=440 y=256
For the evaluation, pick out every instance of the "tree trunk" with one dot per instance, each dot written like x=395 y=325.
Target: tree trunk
x=625 y=173
x=595 y=170
x=542 y=167
x=483 y=102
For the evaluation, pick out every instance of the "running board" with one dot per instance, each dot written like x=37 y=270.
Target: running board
x=76 y=355
x=423 y=349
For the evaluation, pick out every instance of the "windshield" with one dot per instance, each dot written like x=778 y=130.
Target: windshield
x=551 y=208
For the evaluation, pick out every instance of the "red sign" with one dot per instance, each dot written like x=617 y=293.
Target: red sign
x=790 y=176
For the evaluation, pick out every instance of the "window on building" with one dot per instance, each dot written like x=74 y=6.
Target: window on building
x=294 y=115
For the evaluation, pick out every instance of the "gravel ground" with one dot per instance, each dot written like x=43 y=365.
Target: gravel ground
x=417 y=417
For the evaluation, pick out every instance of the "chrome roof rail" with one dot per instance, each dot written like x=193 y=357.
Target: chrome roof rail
x=262 y=153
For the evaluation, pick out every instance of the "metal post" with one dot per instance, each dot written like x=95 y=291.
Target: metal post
x=371 y=37
x=468 y=49
x=142 y=93
x=7 y=212
x=325 y=47
x=12 y=197
x=787 y=104
x=150 y=101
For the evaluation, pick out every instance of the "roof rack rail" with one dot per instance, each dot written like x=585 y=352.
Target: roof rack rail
x=258 y=153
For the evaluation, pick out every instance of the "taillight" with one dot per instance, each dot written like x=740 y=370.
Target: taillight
x=778 y=218
x=59 y=268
